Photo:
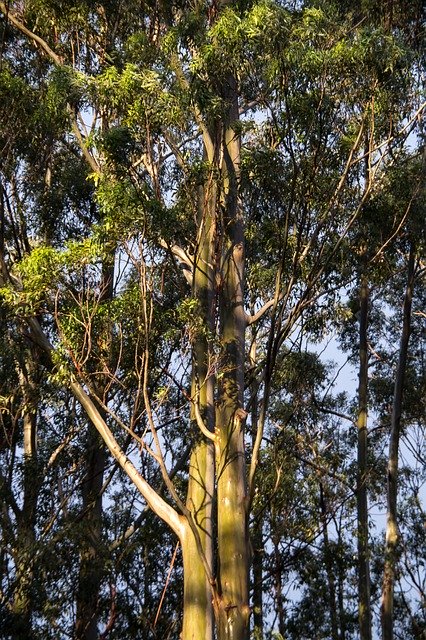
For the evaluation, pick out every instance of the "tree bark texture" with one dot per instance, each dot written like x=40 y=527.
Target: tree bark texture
x=233 y=543
x=198 y=621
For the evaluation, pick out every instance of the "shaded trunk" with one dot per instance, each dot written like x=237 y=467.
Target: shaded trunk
x=24 y=593
x=392 y=533
x=364 y=609
x=278 y=588
x=257 y=536
x=91 y=557
x=329 y=568
x=341 y=599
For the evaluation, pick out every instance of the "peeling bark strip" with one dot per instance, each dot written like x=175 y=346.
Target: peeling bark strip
x=392 y=533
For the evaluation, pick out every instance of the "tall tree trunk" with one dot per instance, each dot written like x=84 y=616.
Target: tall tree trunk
x=329 y=567
x=341 y=575
x=364 y=609
x=392 y=533
x=233 y=543
x=198 y=622
x=256 y=534
x=278 y=586
x=23 y=603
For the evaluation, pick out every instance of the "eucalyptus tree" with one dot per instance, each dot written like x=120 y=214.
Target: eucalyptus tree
x=181 y=113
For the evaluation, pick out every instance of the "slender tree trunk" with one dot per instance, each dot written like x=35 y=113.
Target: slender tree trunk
x=278 y=588
x=341 y=596
x=257 y=537
x=392 y=533
x=329 y=568
x=23 y=603
x=364 y=609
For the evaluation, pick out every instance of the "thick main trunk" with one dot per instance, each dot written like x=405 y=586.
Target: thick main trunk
x=364 y=609
x=392 y=533
x=198 y=621
x=232 y=499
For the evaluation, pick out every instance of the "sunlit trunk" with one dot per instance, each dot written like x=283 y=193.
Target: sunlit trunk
x=198 y=621
x=233 y=544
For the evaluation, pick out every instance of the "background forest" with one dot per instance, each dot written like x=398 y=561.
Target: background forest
x=212 y=311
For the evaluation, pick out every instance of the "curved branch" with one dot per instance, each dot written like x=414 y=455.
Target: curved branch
x=33 y=36
x=58 y=61
x=251 y=319
x=154 y=500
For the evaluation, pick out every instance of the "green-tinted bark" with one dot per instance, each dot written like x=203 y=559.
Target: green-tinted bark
x=233 y=545
x=198 y=610
x=198 y=622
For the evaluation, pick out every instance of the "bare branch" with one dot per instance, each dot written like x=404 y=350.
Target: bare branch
x=251 y=319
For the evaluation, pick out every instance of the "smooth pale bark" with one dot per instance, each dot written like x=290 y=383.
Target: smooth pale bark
x=198 y=621
x=392 y=533
x=364 y=609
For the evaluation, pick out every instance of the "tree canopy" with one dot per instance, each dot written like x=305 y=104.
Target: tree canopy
x=209 y=210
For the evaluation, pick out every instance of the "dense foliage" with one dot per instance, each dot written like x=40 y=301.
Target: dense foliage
x=144 y=147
